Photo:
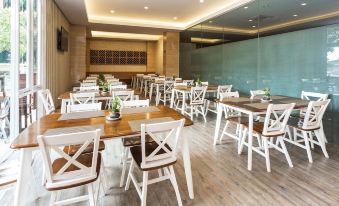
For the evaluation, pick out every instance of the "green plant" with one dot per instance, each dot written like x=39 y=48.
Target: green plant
x=115 y=104
x=101 y=77
x=198 y=82
x=104 y=86
x=267 y=92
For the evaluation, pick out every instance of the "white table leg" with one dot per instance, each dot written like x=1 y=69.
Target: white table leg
x=23 y=178
x=151 y=92
x=183 y=103
x=218 y=122
x=64 y=103
x=187 y=166
x=250 y=140
x=172 y=98
x=157 y=97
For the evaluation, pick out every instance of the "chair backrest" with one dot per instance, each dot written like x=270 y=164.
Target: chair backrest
x=178 y=79
x=159 y=80
x=51 y=148
x=168 y=86
x=88 y=84
x=223 y=88
x=4 y=111
x=255 y=93
x=92 y=88
x=108 y=75
x=314 y=114
x=224 y=95
x=189 y=82
x=114 y=83
x=167 y=144
x=135 y=103
x=84 y=107
x=117 y=87
x=313 y=96
x=204 y=83
x=82 y=98
x=89 y=81
x=183 y=84
x=110 y=80
x=276 y=119
x=94 y=75
x=169 y=78
x=47 y=100
x=91 y=78
x=198 y=95
x=123 y=95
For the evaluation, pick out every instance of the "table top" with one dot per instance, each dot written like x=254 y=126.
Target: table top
x=256 y=106
x=210 y=88
x=66 y=95
x=112 y=129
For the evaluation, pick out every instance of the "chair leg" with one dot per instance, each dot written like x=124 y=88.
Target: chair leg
x=240 y=135
x=175 y=185
x=267 y=155
x=52 y=199
x=144 y=188
x=91 y=199
x=321 y=141
x=192 y=113
x=283 y=146
x=224 y=131
x=307 y=145
x=128 y=181
x=160 y=173
x=242 y=141
x=311 y=139
x=202 y=113
x=124 y=165
x=295 y=134
x=323 y=133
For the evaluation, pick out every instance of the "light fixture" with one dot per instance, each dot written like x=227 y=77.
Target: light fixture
x=253 y=26
x=146 y=7
x=112 y=11
x=210 y=22
x=118 y=35
x=246 y=7
x=303 y=4
x=205 y=40
x=201 y=1
x=175 y=18
x=250 y=20
x=295 y=15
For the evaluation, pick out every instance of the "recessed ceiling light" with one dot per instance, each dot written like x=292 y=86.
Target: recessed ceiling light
x=246 y=7
x=146 y=7
x=250 y=20
x=201 y=1
x=303 y=4
x=112 y=11
x=175 y=18
x=295 y=15
x=253 y=26
x=210 y=22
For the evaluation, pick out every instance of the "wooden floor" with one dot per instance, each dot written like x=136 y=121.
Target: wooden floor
x=220 y=177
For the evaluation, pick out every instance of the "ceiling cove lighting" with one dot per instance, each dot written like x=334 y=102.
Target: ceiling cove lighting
x=246 y=7
x=146 y=7
x=175 y=18
x=112 y=11
x=295 y=15
x=201 y=1
x=118 y=35
x=303 y=4
x=250 y=20
x=205 y=40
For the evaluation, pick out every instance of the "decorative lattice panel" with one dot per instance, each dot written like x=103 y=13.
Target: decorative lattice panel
x=108 y=57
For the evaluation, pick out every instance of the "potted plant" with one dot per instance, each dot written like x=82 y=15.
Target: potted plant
x=102 y=82
x=104 y=88
x=267 y=95
x=198 y=82
x=115 y=113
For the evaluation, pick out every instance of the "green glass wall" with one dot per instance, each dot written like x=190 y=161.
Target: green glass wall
x=287 y=63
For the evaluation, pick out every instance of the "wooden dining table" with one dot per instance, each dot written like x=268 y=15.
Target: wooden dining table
x=252 y=107
x=184 y=90
x=26 y=141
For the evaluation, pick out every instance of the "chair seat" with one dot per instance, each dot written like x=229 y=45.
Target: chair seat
x=72 y=149
x=149 y=148
x=258 y=128
x=238 y=119
x=298 y=123
x=85 y=159
x=188 y=102
x=134 y=141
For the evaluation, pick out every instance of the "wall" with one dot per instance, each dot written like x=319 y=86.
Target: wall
x=77 y=52
x=123 y=46
x=287 y=63
x=57 y=63
x=171 y=53
x=159 y=56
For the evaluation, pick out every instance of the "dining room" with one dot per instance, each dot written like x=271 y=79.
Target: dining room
x=196 y=102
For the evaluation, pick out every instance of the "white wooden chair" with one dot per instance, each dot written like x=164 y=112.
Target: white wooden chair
x=84 y=107
x=82 y=98
x=114 y=83
x=180 y=84
x=165 y=95
x=271 y=132
x=4 y=117
x=91 y=78
x=90 y=88
x=196 y=103
x=117 y=87
x=93 y=81
x=68 y=171
x=303 y=129
x=130 y=141
x=204 y=83
x=189 y=82
x=123 y=95
x=8 y=175
x=178 y=79
x=256 y=93
x=221 y=89
x=158 y=154
x=94 y=75
x=88 y=85
x=47 y=101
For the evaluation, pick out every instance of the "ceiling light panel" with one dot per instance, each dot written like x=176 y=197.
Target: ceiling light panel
x=130 y=36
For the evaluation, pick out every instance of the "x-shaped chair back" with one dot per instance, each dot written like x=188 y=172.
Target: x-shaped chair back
x=189 y=82
x=47 y=100
x=223 y=89
x=91 y=84
x=123 y=95
x=135 y=103
x=52 y=147
x=255 y=93
x=118 y=87
x=90 y=88
x=82 y=98
x=276 y=119
x=198 y=95
x=224 y=95
x=166 y=149
x=314 y=114
x=168 y=86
